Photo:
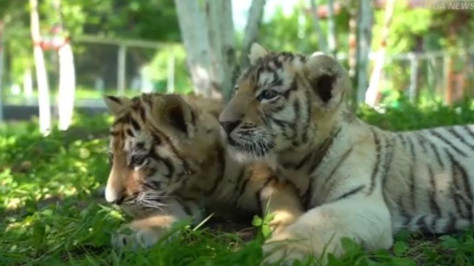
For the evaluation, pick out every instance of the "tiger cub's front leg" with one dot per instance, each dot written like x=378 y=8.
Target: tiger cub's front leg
x=280 y=200
x=364 y=219
x=276 y=197
x=146 y=231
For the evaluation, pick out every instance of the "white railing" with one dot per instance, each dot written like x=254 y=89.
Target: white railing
x=415 y=62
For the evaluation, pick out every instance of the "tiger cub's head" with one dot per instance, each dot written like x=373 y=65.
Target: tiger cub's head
x=160 y=145
x=283 y=101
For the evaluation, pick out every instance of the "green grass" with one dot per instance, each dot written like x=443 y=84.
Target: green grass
x=53 y=214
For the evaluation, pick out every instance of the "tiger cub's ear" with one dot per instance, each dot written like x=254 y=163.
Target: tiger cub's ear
x=256 y=52
x=328 y=79
x=116 y=105
x=171 y=111
x=179 y=114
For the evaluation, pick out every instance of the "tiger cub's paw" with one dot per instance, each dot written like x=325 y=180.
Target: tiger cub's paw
x=131 y=237
x=284 y=249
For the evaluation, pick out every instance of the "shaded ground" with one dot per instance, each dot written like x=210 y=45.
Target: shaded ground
x=241 y=226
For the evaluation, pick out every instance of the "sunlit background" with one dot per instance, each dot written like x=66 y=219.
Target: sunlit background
x=128 y=47
x=411 y=63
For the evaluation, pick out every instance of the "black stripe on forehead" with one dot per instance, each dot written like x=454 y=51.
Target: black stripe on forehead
x=127 y=119
x=301 y=57
x=130 y=132
x=269 y=63
x=136 y=104
x=147 y=98
x=115 y=133
x=286 y=56
x=122 y=120
x=142 y=114
x=135 y=124
x=117 y=130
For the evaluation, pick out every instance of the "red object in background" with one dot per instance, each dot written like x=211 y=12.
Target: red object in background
x=53 y=41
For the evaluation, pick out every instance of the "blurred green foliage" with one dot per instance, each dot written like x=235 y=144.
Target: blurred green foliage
x=412 y=30
x=153 y=20
x=158 y=68
x=295 y=31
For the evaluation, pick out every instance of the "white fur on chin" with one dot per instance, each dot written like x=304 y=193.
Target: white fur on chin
x=245 y=157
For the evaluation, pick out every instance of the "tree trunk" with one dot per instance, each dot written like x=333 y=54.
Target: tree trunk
x=67 y=77
x=170 y=79
x=364 y=36
x=352 y=55
x=192 y=23
x=222 y=45
x=317 y=27
x=67 y=86
x=41 y=76
x=28 y=86
x=413 y=89
x=373 y=92
x=208 y=37
x=1 y=68
x=331 y=28
x=251 y=30
x=121 y=69
x=448 y=79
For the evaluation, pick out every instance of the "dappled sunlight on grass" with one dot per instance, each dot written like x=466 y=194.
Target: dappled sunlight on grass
x=54 y=213
x=49 y=194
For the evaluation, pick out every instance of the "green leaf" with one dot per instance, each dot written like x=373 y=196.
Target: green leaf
x=403 y=235
x=257 y=221
x=449 y=242
x=332 y=260
x=400 y=248
x=266 y=231
x=349 y=245
x=403 y=262
x=268 y=218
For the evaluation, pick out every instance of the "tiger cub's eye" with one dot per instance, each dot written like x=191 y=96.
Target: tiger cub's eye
x=268 y=95
x=138 y=159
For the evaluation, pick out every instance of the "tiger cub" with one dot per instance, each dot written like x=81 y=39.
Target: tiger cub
x=356 y=180
x=168 y=162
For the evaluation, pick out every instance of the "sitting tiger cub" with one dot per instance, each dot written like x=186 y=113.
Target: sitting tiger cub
x=169 y=161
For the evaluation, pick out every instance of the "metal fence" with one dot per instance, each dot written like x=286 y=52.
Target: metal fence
x=114 y=66
x=444 y=76
x=117 y=63
x=127 y=67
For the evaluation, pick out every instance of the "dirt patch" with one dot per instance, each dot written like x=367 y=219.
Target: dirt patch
x=240 y=226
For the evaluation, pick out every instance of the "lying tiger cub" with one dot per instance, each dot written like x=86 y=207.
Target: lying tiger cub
x=169 y=161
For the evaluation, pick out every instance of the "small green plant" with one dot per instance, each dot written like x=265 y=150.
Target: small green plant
x=263 y=224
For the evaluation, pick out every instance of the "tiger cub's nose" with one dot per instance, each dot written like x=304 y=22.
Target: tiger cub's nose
x=228 y=126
